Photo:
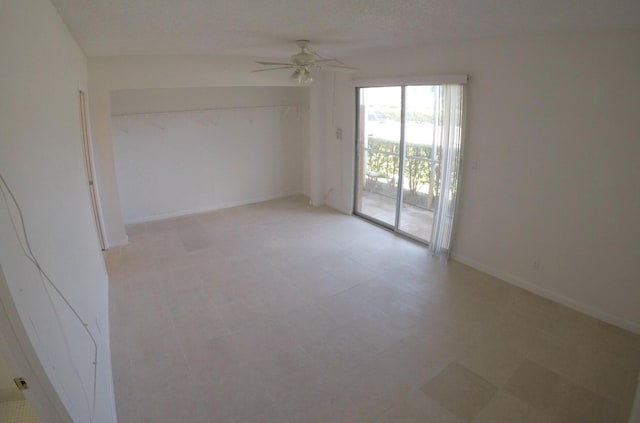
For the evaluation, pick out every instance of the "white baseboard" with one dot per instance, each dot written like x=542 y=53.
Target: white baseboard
x=551 y=295
x=118 y=242
x=210 y=208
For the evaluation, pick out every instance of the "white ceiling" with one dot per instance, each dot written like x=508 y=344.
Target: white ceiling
x=336 y=28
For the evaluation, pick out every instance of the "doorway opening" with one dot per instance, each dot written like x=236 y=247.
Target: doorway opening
x=404 y=171
x=88 y=161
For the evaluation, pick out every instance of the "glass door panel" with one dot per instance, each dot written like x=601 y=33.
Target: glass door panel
x=420 y=176
x=379 y=136
x=406 y=136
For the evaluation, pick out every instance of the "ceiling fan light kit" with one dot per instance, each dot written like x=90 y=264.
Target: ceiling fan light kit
x=303 y=62
x=302 y=75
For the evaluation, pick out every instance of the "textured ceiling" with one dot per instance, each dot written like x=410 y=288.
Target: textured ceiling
x=336 y=27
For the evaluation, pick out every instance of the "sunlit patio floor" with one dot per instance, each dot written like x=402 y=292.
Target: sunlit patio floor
x=413 y=220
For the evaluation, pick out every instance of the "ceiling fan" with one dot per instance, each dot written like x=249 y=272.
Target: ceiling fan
x=304 y=62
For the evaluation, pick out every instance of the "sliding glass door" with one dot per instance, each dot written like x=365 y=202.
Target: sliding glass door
x=379 y=169
x=421 y=167
x=399 y=156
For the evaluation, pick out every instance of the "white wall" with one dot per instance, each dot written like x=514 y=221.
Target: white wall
x=554 y=134
x=317 y=136
x=108 y=74
x=41 y=158
x=306 y=156
x=244 y=145
x=153 y=100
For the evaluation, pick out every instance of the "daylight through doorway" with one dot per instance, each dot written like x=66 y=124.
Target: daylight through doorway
x=408 y=154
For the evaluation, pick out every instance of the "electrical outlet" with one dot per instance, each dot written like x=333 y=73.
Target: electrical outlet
x=536 y=264
x=21 y=384
x=339 y=133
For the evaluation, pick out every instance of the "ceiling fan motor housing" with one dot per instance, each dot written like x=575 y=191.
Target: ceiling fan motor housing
x=303 y=59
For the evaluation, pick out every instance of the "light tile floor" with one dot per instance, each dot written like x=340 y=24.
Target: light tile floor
x=17 y=412
x=279 y=312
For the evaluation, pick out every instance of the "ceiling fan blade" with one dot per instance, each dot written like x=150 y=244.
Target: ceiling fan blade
x=336 y=68
x=270 y=69
x=306 y=60
x=274 y=63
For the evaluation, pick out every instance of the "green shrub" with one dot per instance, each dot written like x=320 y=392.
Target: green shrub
x=383 y=161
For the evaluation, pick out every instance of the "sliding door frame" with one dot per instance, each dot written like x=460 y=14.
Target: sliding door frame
x=358 y=168
x=395 y=227
x=358 y=85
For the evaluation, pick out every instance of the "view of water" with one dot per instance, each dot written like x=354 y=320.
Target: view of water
x=415 y=132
